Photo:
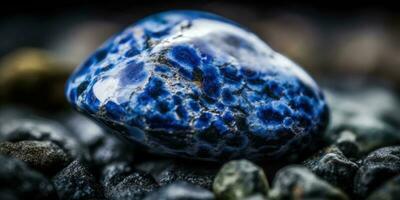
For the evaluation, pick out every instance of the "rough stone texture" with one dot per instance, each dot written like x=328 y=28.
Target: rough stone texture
x=240 y=179
x=348 y=146
x=168 y=171
x=378 y=167
x=296 y=182
x=134 y=186
x=20 y=124
x=114 y=173
x=76 y=182
x=17 y=181
x=196 y=85
x=389 y=191
x=180 y=191
x=331 y=165
x=45 y=157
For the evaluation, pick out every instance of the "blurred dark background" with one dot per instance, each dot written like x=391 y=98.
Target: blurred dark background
x=354 y=41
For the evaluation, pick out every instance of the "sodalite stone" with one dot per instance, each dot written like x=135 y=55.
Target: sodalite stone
x=193 y=84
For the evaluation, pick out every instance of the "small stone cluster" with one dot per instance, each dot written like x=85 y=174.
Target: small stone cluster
x=68 y=157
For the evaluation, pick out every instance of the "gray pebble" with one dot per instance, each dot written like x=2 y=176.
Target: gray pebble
x=331 y=165
x=112 y=149
x=389 y=191
x=134 y=186
x=76 y=182
x=180 y=191
x=84 y=129
x=17 y=181
x=297 y=182
x=168 y=171
x=378 y=167
x=18 y=125
x=354 y=120
x=240 y=179
x=45 y=156
x=115 y=173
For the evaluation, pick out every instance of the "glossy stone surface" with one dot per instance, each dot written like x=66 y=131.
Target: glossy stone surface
x=193 y=84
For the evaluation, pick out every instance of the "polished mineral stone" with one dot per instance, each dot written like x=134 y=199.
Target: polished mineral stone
x=193 y=84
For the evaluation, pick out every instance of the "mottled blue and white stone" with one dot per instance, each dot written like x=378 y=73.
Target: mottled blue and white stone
x=193 y=84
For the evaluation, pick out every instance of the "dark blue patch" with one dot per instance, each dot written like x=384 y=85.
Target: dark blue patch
x=231 y=74
x=91 y=102
x=228 y=117
x=100 y=55
x=164 y=106
x=211 y=84
x=133 y=73
x=162 y=69
x=203 y=121
x=182 y=113
x=126 y=38
x=269 y=115
x=194 y=106
x=157 y=34
x=185 y=55
x=177 y=99
x=114 y=111
x=155 y=88
x=132 y=52
x=227 y=97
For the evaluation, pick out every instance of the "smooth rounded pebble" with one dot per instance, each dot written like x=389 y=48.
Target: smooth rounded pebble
x=297 y=182
x=240 y=179
x=196 y=85
x=181 y=191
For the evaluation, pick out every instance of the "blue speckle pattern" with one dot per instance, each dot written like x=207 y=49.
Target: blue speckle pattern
x=193 y=84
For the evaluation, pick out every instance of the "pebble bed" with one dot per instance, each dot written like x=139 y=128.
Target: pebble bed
x=66 y=156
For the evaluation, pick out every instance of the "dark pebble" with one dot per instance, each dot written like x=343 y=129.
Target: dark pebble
x=18 y=125
x=354 y=120
x=296 y=182
x=389 y=191
x=112 y=149
x=349 y=149
x=378 y=167
x=331 y=165
x=181 y=191
x=45 y=157
x=169 y=171
x=115 y=173
x=134 y=186
x=17 y=181
x=76 y=182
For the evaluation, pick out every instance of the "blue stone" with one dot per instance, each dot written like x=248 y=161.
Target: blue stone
x=193 y=84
